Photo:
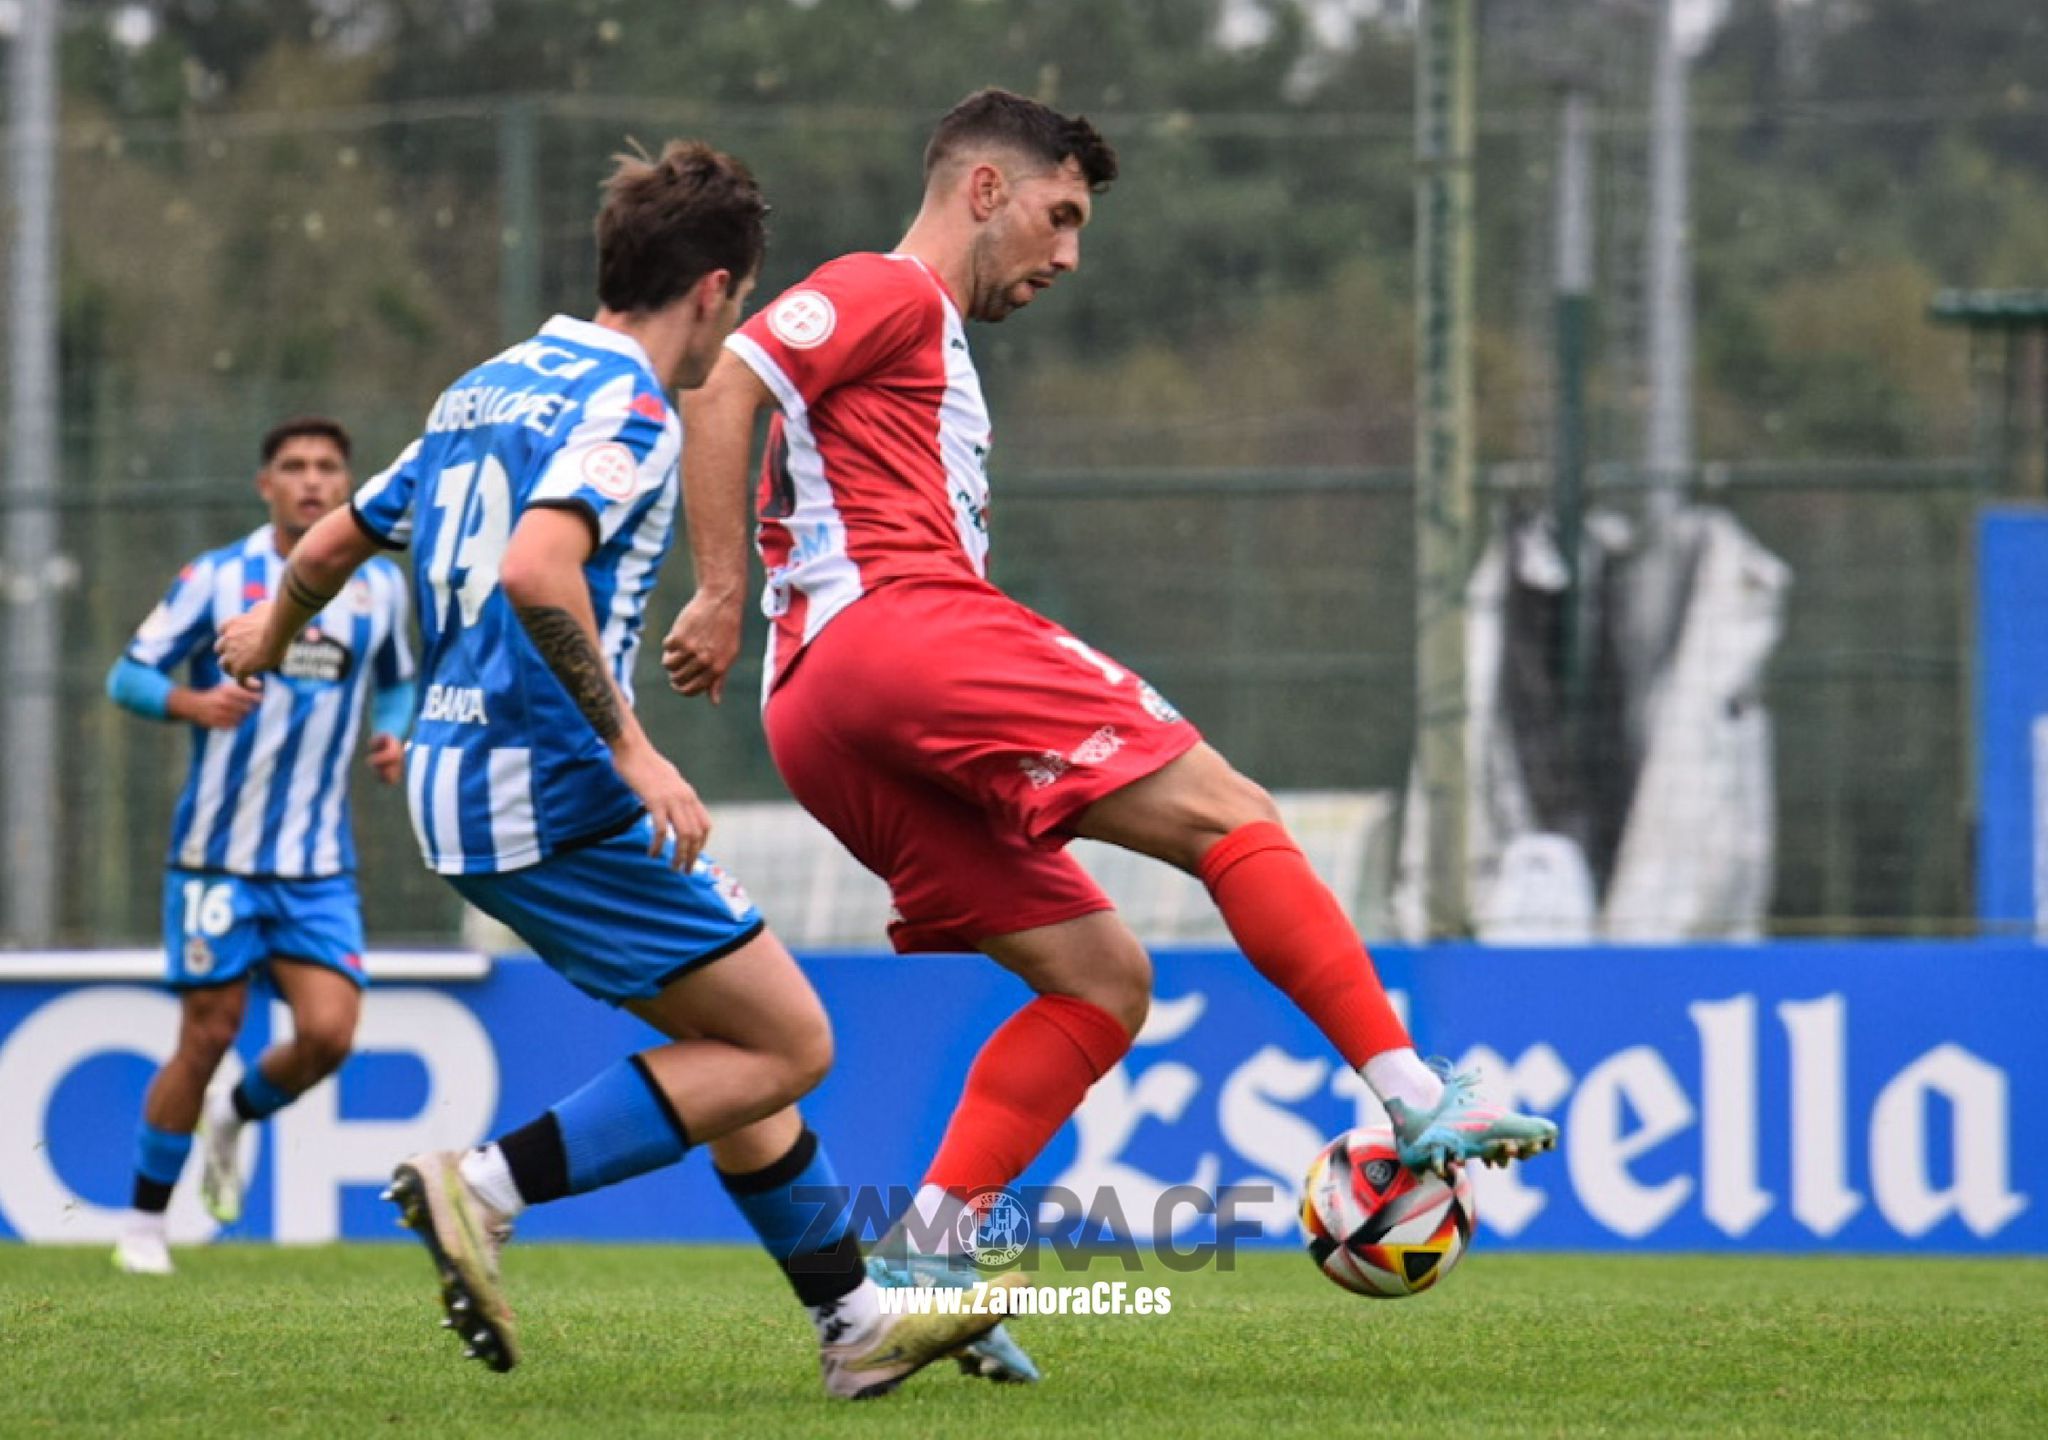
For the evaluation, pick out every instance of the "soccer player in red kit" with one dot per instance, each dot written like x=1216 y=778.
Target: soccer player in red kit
x=954 y=740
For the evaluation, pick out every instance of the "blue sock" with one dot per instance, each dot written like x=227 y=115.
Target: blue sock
x=618 y=1126
x=256 y=1097
x=799 y=1210
x=159 y=1156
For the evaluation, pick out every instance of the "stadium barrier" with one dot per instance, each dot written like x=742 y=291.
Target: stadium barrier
x=1879 y=1096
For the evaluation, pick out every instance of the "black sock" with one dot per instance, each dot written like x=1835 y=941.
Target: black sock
x=152 y=1197
x=538 y=1162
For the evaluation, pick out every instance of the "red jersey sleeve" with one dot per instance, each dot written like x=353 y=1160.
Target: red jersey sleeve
x=851 y=320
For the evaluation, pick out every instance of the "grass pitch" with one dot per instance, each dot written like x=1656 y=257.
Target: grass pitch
x=690 y=1341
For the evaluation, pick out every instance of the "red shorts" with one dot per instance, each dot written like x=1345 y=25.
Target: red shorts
x=949 y=737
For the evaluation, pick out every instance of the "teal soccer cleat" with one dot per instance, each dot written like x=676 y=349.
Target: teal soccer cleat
x=1462 y=1127
x=995 y=1356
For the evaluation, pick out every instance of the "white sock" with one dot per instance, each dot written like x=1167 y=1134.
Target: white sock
x=221 y=1116
x=488 y=1174
x=937 y=1231
x=1401 y=1075
x=850 y=1319
x=146 y=1222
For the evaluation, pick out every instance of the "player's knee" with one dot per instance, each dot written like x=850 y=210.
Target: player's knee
x=808 y=1053
x=208 y=1032
x=324 y=1044
x=1123 y=987
x=1244 y=801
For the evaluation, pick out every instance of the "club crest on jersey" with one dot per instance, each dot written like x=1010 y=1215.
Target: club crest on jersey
x=802 y=319
x=610 y=470
x=359 y=598
x=1157 y=705
x=316 y=657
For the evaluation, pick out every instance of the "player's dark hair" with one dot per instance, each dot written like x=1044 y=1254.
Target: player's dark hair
x=317 y=426
x=670 y=221
x=999 y=117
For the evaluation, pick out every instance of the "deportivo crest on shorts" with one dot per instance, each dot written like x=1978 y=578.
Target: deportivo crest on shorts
x=803 y=319
x=198 y=956
x=728 y=887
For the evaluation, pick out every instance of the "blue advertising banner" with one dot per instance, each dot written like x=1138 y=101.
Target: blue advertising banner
x=2012 y=717
x=1851 y=1097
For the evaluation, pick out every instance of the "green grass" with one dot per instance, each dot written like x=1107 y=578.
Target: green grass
x=683 y=1341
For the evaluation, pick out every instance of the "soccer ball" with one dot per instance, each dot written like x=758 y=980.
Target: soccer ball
x=1375 y=1226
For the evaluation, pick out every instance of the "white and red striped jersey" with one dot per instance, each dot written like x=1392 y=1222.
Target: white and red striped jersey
x=876 y=466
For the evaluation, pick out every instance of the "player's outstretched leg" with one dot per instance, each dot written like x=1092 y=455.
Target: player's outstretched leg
x=1202 y=815
x=465 y=1235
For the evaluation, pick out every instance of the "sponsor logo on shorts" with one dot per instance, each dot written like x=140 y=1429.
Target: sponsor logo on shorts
x=1157 y=705
x=198 y=956
x=802 y=319
x=1098 y=747
x=1043 y=769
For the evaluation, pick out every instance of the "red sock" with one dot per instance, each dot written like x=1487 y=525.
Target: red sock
x=1028 y=1078
x=1297 y=936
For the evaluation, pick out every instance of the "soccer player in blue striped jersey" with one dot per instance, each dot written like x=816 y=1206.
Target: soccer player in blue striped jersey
x=539 y=503
x=261 y=880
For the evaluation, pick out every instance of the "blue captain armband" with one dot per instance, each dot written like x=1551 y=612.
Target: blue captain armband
x=142 y=688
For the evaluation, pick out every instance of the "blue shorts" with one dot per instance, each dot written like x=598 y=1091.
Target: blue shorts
x=614 y=921
x=219 y=927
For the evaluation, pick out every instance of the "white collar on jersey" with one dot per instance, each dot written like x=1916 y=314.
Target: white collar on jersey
x=589 y=332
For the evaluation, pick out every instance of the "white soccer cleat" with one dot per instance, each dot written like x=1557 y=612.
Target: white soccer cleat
x=143 y=1252
x=465 y=1237
x=901 y=1345
x=220 y=1161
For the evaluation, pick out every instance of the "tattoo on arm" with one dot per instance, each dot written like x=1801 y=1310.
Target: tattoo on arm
x=300 y=593
x=576 y=663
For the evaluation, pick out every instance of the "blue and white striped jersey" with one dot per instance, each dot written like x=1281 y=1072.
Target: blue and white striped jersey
x=502 y=770
x=270 y=797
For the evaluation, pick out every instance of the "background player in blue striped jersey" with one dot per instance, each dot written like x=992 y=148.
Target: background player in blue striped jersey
x=261 y=877
x=539 y=503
